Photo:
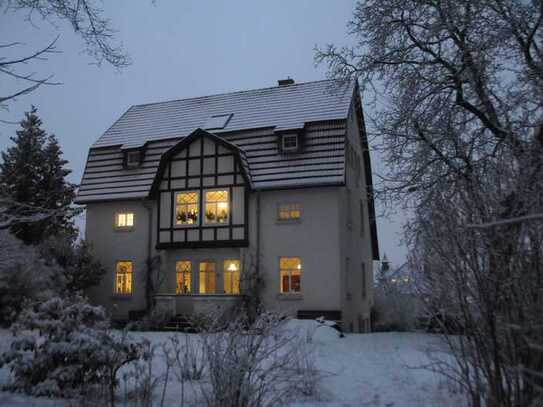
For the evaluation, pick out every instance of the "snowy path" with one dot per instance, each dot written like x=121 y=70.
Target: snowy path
x=373 y=370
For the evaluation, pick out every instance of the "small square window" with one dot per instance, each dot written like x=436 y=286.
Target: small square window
x=290 y=142
x=124 y=220
x=289 y=211
x=133 y=159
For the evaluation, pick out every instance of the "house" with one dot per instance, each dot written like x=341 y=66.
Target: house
x=280 y=175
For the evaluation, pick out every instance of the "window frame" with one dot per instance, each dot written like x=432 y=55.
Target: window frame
x=125 y=227
x=205 y=203
x=183 y=274
x=232 y=277
x=131 y=273
x=298 y=208
x=299 y=270
x=284 y=139
x=198 y=208
x=133 y=164
x=214 y=273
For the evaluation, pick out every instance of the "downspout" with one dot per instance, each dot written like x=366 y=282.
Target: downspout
x=258 y=232
x=149 y=289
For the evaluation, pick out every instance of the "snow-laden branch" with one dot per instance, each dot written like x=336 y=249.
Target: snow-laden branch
x=537 y=216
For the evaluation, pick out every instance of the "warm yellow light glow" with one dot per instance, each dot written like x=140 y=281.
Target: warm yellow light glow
x=222 y=205
x=232 y=267
x=124 y=220
x=299 y=266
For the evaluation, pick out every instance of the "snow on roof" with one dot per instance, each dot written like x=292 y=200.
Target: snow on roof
x=282 y=107
x=319 y=109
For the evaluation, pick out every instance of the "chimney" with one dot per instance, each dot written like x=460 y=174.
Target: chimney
x=285 y=82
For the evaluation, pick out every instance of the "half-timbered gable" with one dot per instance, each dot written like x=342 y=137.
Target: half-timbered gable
x=202 y=190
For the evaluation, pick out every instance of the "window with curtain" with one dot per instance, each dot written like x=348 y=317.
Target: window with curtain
x=231 y=270
x=216 y=206
x=207 y=277
x=186 y=208
x=183 y=270
x=290 y=269
x=123 y=277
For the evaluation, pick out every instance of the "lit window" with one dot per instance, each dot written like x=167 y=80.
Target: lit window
x=216 y=207
x=123 y=277
x=186 y=208
x=290 y=142
x=291 y=272
x=231 y=276
x=124 y=220
x=133 y=159
x=290 y=211
x=207 y=277
x=183 y=270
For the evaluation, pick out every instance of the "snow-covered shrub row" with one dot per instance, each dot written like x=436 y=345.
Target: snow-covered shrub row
x=64 y=347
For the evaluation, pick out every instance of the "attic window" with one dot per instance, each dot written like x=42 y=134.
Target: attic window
x=289 y=142
x=217 y=122
x=133 y=159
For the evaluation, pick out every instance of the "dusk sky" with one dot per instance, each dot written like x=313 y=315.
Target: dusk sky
x=179 y=49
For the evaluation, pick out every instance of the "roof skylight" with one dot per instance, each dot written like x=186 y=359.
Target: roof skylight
x=217 y=122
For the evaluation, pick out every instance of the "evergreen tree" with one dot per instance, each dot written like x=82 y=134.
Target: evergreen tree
x=58 y=194
x=32 y=173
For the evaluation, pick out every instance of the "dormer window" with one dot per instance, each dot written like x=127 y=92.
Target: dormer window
x=133 y=158
x=289 y=142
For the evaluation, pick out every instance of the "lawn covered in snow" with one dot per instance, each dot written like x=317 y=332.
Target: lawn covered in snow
x=379 y=369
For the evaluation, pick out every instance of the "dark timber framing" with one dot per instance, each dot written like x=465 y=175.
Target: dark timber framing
x=239 y=179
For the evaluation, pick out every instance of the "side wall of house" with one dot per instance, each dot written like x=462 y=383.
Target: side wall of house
x=314 y=239
x=356 y=250
x=111 y=245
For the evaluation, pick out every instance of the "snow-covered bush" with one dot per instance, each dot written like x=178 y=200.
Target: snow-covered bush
x=64 y=347
x=257 y=364
x=24 y=277
x=75 y=261
x=394 y=310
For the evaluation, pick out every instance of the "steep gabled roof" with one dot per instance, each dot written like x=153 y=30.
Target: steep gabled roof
x=280 y=107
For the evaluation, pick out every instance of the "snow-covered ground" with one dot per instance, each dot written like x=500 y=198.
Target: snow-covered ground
x=381 y=369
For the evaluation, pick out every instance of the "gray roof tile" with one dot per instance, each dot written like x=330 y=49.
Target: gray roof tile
x=282 y=107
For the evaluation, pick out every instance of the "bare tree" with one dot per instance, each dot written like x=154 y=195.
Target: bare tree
x=461 y=86
x=87 y=19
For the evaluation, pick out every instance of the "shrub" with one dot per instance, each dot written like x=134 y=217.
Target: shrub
x=257 y=364
x=64 y=347
x=23 y=277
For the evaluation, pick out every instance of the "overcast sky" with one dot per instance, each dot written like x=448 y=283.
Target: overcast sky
x=179 y=49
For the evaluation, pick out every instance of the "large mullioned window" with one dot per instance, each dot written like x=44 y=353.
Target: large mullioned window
x=186 y=208
x=123 y=277
x=216 y=206
x=183 y=271
x=290 y=269
x=207 y=277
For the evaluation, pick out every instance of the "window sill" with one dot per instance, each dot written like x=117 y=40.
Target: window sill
x=125 y=297
x=288 y=221
x=290 y=297
x=123 y=229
